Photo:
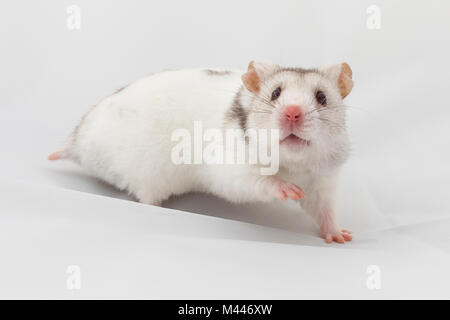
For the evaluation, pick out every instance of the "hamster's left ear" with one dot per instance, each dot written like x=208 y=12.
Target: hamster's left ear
x=342 y=75
x=256 y=73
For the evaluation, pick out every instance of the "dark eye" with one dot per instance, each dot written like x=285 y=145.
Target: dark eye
x=321 y=97
x=276 y=93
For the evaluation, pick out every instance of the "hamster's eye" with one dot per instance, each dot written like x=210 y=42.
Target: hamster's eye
x=276 y=93
x=321 y=97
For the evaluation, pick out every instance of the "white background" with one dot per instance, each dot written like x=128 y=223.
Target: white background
x=394 y=193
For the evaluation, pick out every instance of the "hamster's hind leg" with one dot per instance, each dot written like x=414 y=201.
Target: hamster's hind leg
x=149 y=199
x=153 y=194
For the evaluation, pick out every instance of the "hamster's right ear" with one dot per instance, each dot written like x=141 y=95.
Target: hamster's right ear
x=255 y=74
x=342 y=75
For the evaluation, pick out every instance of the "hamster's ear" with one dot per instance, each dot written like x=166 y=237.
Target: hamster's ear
x=256 y=73
x=342 y=75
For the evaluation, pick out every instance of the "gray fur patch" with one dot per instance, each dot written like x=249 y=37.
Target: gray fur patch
x=297 y=70
x=237 y=112
x=120 y=89
x=211 y=72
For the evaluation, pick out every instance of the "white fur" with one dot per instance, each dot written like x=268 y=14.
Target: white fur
x=126 y=139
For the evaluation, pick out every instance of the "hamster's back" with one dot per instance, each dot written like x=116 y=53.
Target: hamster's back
x=126 y=138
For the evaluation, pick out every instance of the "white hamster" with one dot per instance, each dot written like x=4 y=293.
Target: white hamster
x=128 y=139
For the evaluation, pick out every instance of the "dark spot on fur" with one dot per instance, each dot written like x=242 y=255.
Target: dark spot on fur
x=210 y=72
x=120 y=89
x=237 y=112
x=298 y=70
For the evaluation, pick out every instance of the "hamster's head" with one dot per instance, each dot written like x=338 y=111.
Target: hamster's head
x=306 y=105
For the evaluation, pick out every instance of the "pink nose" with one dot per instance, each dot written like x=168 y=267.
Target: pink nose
x=293 y=113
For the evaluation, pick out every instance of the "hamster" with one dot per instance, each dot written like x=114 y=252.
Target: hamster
x=127 y=139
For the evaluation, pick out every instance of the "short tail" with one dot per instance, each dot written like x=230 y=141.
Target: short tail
x=61 y=154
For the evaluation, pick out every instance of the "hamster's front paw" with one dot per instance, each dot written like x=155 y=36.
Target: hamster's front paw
x=283 y=190
x=336 y=234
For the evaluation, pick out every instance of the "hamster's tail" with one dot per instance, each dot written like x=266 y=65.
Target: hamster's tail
x=60 y=154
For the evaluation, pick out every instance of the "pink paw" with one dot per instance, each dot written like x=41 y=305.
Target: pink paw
x=284 y=190
x=338 y=236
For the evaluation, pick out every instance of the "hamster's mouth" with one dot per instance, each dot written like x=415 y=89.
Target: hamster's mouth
x=295 y=141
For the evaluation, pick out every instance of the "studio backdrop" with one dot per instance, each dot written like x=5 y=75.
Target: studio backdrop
x=65 y=234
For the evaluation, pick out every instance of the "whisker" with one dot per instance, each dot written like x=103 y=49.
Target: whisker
x=333 y=123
